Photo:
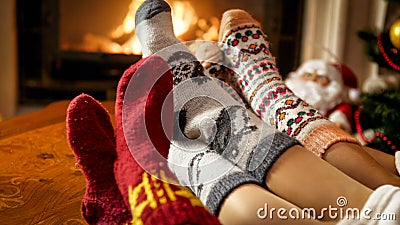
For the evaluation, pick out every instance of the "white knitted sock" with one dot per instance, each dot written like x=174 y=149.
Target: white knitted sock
x=228 y=128
x=205 y=111
x=211 y=177
x=207 y=173
x=154 y=27
x=212 y=59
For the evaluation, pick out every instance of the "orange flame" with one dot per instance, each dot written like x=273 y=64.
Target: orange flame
x=124 y=40
x=183 y=16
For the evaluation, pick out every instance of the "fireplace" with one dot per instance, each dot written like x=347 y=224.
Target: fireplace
x=67 y=47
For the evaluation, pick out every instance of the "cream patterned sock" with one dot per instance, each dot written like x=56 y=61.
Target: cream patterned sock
x=246 y=50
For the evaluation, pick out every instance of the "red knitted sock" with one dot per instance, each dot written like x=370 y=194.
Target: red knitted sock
x=91 y=137
x=152 y=201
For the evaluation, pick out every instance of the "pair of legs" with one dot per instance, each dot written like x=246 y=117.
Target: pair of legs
x=108 y=194
x=249 y=67
x=296 y=172
x=369 y=166
x=385 y=160
x=113 y=176
x=300 y=181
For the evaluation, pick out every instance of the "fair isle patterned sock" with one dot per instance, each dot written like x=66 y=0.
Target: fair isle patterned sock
x=210 y=176
x=211 y=58
x=204 y=111
x=91 y=137
x=246 y=49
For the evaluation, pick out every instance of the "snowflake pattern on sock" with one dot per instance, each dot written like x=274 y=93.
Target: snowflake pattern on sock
x=185 y=66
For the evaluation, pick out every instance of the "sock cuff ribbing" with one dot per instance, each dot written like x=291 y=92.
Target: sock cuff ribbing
x=324 y=136
x=267 y=152
x=224 y=187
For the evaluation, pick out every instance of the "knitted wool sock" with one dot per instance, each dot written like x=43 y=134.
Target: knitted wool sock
x=247 y=51
x=152 y=201
x=212 y=59
x=217 y=120
x=381 y=208
x=154 y=26
x=91 y=137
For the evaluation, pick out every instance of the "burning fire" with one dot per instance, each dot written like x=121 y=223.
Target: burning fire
x=183 y=16
x=124 y=40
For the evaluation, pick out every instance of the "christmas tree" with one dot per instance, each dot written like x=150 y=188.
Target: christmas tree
x=380 y=111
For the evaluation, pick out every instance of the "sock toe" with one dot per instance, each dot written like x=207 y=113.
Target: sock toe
x=150 y=8
x=232 y=18
x=209 y=52
x=154 y=27
x=82 y=111
x=91 y=137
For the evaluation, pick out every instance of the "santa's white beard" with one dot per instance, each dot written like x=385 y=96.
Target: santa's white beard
x=322 y=98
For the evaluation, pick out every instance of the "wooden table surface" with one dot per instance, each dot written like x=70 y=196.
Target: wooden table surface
x=39 y=182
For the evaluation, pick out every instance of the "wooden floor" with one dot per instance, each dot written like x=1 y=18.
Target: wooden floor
x=39 y=182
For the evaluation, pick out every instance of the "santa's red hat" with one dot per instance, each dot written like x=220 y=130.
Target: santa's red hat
x=349 y=80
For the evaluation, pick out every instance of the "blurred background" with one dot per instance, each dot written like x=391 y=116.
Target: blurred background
x=56 y=49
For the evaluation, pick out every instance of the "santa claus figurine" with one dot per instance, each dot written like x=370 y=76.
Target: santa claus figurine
x=328 y=87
